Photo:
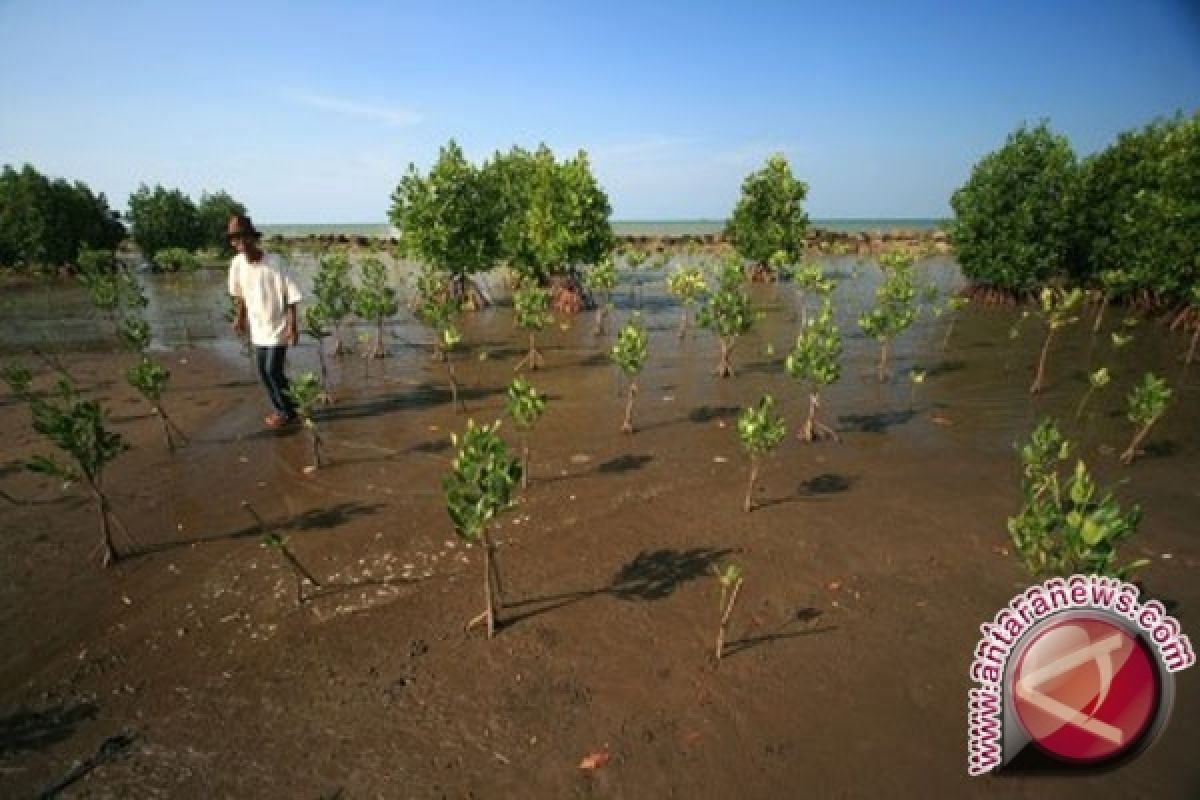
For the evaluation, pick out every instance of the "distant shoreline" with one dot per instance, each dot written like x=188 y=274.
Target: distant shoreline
x=667 y=228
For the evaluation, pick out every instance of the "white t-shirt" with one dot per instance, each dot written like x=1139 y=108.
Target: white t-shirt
x=267 y=288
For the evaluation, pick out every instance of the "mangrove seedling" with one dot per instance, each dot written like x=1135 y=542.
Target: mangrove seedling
x=1096 y=380
x=334 y=293
x=760 y=433
x=727 y=312
x=1067 y=527
x=78 y=428
x=635 y=258
x=532 y=306
x=481 y=484
x=816 y=359
x=375 y=301
x=894 y=311
x=808 y=277
x=1058 y=308
x=274 y=541
x=19 y=378
x=525 y=405
x=730 y=581
x=1147 y=403
x=952 y=308
x=686 y=284
x=1113 y=282
x=438 y=308
x=629 y=353
x=305 y=391
x=316 y=328
x=600 y=280
x=916 y=377
x=1119 y=339
x=150 y=379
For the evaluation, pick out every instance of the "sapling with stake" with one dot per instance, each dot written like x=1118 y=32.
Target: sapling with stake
x=629 y=353
x=305 y=392
x=894 y=311
x=481 y=484
x=1067 y=527
x=525 y=405
x=730 y=580
x=1058 y=308
x=686 y=284
x=601 y=279
x=1147 y=403
x=438 y=307
x=531 y=304
x=375 y=301
x=274 y=541
x=1096 y=380
x=315 y=327
x=334 y=293
x=816 y=359
x=77 y=427
x=760 y=433
x=727 y=312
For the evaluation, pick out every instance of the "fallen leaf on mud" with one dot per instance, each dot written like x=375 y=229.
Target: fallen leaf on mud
x=834 y=586
x=243 y=460
x=309 y=470
x=999 y=549
x=720 y=459
x=668 y=398
x=580 y=458
x=942 y=420
x=1168 y=555
x=594 y=760
x=434 y=428
x=922 y=603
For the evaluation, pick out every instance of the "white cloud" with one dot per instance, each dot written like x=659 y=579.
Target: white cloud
x=391 y=116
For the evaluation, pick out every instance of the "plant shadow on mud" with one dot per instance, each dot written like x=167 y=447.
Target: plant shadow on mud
x=37 y=730
x=875 y=423
x=311 y=521
x=817 y=488
x=424 y=396
x=651 y=575
x=946 y=367
x=702 y=414
x=625 y=463
x=780 y=632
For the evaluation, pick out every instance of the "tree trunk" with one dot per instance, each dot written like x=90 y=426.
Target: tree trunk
x=627 y=425
x=1100 y=313
x=1131 y=453
x=1191 y=353
x=748 y=505
x=524 y=461
x=949 y=330
x=339 y=349
x=379 y=349
x=533 y=358
x=601 y=325
x=1040 y=377
x=315 y=438
x=726 y=613
x=326 y=397
x=724 y=367
x=455 y=401
x=883 y=361
x=683 y=323
x=110 y=555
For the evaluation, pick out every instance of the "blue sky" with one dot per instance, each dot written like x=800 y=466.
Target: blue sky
x=310 y=111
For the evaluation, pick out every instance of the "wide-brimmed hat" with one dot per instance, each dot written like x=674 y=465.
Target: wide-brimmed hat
x=241 y=225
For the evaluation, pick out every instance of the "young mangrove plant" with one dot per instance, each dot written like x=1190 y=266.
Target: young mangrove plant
x=305 y=391
x=78 y=428
x=1058 y=308
x=375 y=301
x=808 y=277
x=335 y=294
x=952 y=308
x=629 y=353
x=525 y=405
x=727 y=312
x=635 y=259
x=316 y=327
x=279 y=543
x=730 y=580
x=1114 y=283
x=894 y=311
x=481 y=484
x=1067 y=527
x=600 y=280
x=438 y=308
x=686 y=284
x=531 y=303
x=1147 y=403
x=760 y=433
x=816 y=360
x=1096 y=380
x=150 y=380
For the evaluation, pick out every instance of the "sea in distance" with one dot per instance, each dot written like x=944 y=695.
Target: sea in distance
x=649 y=227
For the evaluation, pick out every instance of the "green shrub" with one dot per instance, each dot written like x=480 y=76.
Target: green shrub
x=769 y=216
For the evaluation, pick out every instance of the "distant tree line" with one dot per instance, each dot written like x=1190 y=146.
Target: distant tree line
x=46 y=223
x=1122 y=221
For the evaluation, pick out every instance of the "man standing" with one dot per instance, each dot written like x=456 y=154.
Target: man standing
x=265 y=296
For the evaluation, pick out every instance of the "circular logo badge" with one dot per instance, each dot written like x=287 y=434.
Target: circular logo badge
x=1086 y=689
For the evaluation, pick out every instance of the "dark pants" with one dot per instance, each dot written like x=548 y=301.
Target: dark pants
x=269 y=361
